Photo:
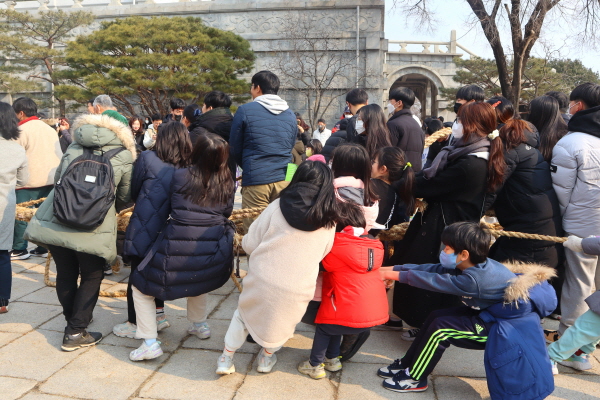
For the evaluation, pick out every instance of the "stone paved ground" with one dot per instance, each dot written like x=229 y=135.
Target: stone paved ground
x=32 y=366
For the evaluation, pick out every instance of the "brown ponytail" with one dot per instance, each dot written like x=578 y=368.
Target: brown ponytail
x=394 y=159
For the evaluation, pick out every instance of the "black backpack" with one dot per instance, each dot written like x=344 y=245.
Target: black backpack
x=86 y=191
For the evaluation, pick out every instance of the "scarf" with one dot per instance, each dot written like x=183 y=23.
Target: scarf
x=460 y=148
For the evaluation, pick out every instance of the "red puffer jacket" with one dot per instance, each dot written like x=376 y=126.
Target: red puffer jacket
x=353 y=293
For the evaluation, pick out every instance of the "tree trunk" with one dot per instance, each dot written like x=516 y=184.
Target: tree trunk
x=62 y=107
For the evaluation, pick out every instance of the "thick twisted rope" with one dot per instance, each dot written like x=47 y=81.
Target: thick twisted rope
x=442 y=133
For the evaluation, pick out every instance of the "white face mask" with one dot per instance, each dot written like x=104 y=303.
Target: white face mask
x=391 y=108
x=457 y=130
x=359 y=127
x=348 y=116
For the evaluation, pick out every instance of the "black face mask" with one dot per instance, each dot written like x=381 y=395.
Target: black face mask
x=177 y=117
x=456 y=107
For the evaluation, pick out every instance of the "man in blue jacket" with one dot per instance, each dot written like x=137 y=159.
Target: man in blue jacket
x=483 y=284
x=263 y=134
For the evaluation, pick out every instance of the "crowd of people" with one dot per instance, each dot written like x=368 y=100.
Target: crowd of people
x=312 y=253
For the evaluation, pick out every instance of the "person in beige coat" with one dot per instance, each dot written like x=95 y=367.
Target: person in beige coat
x=42 y=147
x=282 y=276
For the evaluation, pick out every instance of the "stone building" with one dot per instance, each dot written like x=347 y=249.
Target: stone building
x=376 y=63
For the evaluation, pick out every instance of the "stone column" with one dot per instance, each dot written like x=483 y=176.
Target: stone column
x=43 y=5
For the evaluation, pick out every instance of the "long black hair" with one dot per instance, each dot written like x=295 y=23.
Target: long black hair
x=323 y=213
x=394 y=159
x=211 y=183
x=173 y=144
x=544 y=113
x=9 y=123
x=351 y=159
x=378 y=134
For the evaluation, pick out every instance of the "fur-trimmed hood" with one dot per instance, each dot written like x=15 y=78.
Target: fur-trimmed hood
x=528 y=276
x=96 y=130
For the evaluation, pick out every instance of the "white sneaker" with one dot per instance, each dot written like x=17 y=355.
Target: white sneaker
x=265 y=362
x=162 y=322
x=145 y=352
x=332 y=364
x=126 y=329
x=410 y=335
x=581 y=363
x=554 y=367
x=225 y=365
x=202 y=331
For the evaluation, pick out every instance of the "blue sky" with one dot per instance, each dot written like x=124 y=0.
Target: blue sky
x=455 y=14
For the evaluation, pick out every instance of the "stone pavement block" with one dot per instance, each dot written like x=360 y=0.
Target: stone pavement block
x=13 y=388
x=41 y=396
x=218 y=328
x=382 y=347
x=23 y=317
x=225 y=289
x=38 y=269
x=170 y=338
x=45 y=295
x=23 y=284
x=461 y=362
x=36 y=355
x=284 y=381
x=6 y=338
x=104 y=318
x=112 y=302
x=360 y=382
x=227 y=308
x=17 y=269
x=450 y=388
x=578 y=386
x=190 y=374
x=103 y=372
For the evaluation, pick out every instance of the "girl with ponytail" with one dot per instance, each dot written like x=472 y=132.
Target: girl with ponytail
x=527 y=201
x=456 y=187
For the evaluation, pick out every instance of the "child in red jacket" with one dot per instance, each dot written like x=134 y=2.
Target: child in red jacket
x=351 y=276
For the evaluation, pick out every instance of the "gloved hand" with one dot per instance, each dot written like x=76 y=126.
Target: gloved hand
x=573 y=243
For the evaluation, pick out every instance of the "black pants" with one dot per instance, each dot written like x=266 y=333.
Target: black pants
x=460 y=326
x=77 y=302
x=5 y=277
x=131 y=317
x=327 y=341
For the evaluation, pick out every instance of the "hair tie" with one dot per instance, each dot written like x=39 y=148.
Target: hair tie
x=494 y=134
x=496 y=104
x=408 y=164
x=197 y=112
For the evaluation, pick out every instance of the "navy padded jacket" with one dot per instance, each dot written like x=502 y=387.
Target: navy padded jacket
x=150 y=189
x=262 y=143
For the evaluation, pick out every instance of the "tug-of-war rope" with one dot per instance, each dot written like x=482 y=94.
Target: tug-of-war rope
x=25 y=212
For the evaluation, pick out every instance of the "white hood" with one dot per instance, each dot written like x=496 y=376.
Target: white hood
x=273 y=103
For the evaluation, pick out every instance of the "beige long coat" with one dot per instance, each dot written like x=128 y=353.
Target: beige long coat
x=282 y=275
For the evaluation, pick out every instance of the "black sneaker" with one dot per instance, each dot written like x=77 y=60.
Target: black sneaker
x=39 y=252
x=391 y=370
x=351 y=344
x=410 y=335
x=395 y=325
x=84 y=339
x=108 y=269
x=19 y=255
x=403 y=384
x=249 y=339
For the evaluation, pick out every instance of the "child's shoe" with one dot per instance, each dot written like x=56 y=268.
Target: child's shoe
x=390 y=370
x=410 y=335
x=225 y=365
x=581 y=363
x=202 y=330
x=317 y=372
x=332 y=364
x=145 y=352
x=403 y=384
x=265 y=362
x=126 y=329
x=554 y=367
x=161 y=322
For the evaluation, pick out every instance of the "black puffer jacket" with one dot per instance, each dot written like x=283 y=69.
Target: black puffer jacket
x=194 y=253
x=218 y=121
x=527 y=203
x=150 y=190
x=334 y=141
x=406 y=134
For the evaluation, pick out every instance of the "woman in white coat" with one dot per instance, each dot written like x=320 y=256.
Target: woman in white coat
x=13 y=173
x=282 y=276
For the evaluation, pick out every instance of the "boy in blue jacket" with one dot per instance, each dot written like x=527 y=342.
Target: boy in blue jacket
x=464 y=270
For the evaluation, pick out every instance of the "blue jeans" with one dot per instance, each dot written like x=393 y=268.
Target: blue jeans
x=584 y=334
x=5 y=277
